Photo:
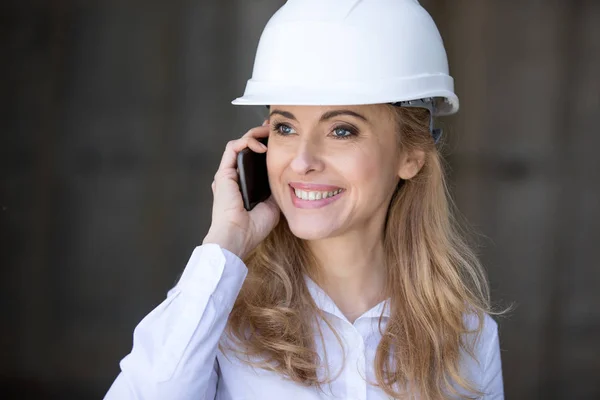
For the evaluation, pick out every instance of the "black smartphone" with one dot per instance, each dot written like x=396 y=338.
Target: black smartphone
x=253 y=178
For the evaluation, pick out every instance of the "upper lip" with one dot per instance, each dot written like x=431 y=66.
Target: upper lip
x=317 y=187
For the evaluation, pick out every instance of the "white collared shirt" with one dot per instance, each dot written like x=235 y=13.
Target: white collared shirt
x=175 y=353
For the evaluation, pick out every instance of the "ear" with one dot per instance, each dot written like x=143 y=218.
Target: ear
x=411 y=163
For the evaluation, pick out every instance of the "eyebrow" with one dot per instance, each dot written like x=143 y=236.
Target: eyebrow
x=324 y=117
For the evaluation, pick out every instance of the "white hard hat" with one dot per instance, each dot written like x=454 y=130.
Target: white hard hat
x=348 y=52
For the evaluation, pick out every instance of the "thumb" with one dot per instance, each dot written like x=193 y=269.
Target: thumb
x=265 y=215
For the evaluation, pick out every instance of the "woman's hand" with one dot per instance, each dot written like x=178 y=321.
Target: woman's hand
x=232 y=227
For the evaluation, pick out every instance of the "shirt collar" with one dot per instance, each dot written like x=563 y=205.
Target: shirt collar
x=324 y=302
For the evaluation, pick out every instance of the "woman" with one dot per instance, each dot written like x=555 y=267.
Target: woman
x=355 y=282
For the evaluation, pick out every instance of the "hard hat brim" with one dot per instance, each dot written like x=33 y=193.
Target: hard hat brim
x=267 y=93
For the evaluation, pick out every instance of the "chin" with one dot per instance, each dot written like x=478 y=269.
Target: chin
x=303 y=228
x=309 y=234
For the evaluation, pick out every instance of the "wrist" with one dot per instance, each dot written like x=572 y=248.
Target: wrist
x=226 y=242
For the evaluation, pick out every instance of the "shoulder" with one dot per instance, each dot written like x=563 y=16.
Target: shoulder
x=489 y=328
x=483 y=341
x=483 y=367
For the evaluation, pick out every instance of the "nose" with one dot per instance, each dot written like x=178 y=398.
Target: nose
x=307 y=157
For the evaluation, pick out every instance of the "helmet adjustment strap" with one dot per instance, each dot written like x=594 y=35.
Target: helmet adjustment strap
x=427 y=103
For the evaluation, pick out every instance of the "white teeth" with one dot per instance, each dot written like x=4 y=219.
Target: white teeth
x=311 y=196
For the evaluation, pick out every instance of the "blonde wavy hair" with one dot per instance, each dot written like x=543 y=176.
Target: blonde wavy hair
x=434 y=280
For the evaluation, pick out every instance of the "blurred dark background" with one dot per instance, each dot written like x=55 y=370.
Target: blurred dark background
x=114 y=114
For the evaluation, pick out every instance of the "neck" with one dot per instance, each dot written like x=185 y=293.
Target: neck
x=351 y=271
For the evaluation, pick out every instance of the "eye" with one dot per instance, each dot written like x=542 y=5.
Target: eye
x=343 y=132
x=283 y=129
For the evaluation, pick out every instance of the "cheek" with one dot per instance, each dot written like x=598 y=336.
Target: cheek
x=364 y=167
x=276 y=163
x=360 y=172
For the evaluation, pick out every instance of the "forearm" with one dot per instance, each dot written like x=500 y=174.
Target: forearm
x=174 y=347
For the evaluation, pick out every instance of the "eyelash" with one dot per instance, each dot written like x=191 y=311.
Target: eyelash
x=352 y=132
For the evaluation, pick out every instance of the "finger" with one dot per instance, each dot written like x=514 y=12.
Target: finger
x=229 y=159
x=233 y=147
x=256 y=146
x=225 y=174
x=213 y=186
x=258 y=132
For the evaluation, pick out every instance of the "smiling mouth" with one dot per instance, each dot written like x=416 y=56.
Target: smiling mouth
x=315 y=195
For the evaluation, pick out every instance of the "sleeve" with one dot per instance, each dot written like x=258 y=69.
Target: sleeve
x=492 y=383
x=175 y=346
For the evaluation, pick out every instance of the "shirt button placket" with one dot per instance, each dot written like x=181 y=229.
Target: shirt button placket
x=362 y=370
x=356 y=384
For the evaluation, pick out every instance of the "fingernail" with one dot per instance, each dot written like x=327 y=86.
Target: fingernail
x=266 y=122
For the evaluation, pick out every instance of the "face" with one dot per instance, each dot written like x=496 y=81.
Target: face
x=333 y=169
